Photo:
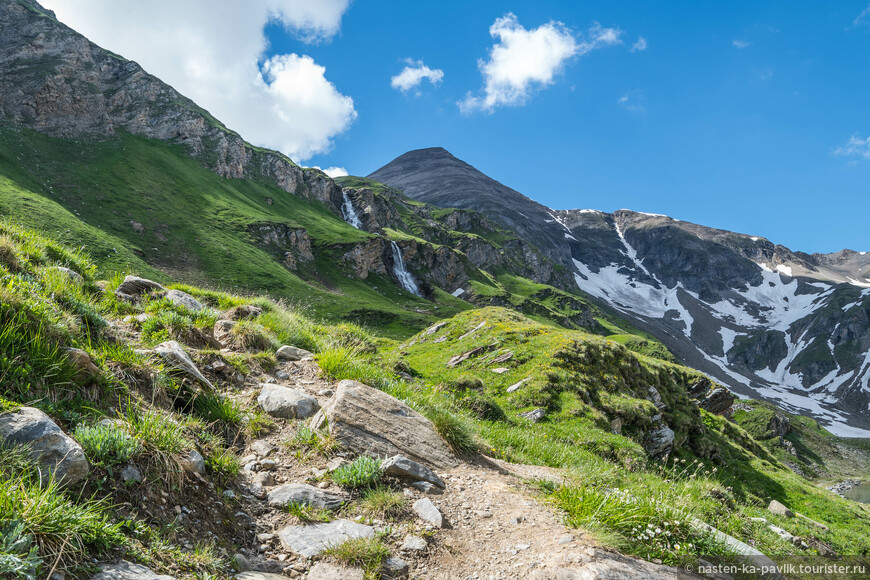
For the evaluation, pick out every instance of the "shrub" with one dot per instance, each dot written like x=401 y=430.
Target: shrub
x=213 y=407
x=465 y=383
x=251 y=336
x=452 y=428
x=107 y=445
x=482 y=407
x=347 y=362
x=224 y=464
x=19 y=557
x=362 y=472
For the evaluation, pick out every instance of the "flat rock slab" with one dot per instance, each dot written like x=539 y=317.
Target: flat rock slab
x=259 y=576
x=400 y=466
x=612 y=566
x=305 y=494
x=326 y=571
x=286 y=403
x=175 y=357
x=125 y=570
x=372 y=422
x=184 y=300
x=428 y=512
x=312 y=540
x=50 y=447
x=133 y=285
x=291 y=353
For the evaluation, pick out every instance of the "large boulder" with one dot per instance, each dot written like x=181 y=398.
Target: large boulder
x=134 y=286
x=291 y=353
x=311 y=540
x=372 y=422
x=175 y=357
x=184 y=300
x=125 y=570
x=718 y=401
x=53 y=450
x=399 y=466
x=659 y=441
x=286 y=403
x=306 y=495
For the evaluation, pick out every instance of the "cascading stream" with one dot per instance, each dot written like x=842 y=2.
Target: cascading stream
x=406 y=280
x=349 y=213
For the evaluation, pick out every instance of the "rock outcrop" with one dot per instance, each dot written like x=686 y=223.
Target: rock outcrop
x=54 y=452
x=372 y=422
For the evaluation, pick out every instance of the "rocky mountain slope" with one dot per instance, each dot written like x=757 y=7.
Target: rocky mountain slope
x=790 y=327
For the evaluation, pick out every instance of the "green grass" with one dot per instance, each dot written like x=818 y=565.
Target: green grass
x=307 y=514
x=19 y=557
x=107 y=445
x=366 y=553
x=360 y=473
x=382 y=503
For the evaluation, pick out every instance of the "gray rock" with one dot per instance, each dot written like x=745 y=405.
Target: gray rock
x=240 y=563
x=399 y=466
x=133 y=286
x=286 y=403
x=305 y=494
x=779 y=509
x=242 y=312
x=268 y=465
x=124 y=570
x=82 y=361
x=184 y=300
x=291 y=353
x=131 y=474
x=428 y=512
x=312 y=540
x=427 y=488
x=244 y=519
x=53 y=450
x=223 y=331
x=372 y=422
x=251 y=575
x=534 y=415
x=414 y=543
x=262 y=447
x=660 y=441
x=394 y=567
x=193 y=462
x=516 y=386
x=327 y=571
x=174 y=356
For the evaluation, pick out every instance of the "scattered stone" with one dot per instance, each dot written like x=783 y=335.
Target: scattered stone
x=282 y=376
x=814 y=522
x=193 y=462
x=125 y=570
x=286 y=403
x=133 y=286
x=485 y=514
x=223 y=331
x=304 y=494
x=184 y=300
x=175 y=357
x=777 y=508
x=229 y=494
x=660 y=441
x=262 y=448
x=534 y=415
x=268 y=465
x=428 y=512
x=50 y=447
x=400 y=466
x=414 y=543
x=783 y=534
x=718 y=401
x=335 y=463
x=327 y=571
x=291 y=353
x=394 y=567
x=131 y=474
x=500 y=370
x=427 y=488
x=311 y=540
x=243 y=519
x=241 y=312
x=265 y=538
x=564 y=540
x=370 y=421
x=82 y=361
x=516 y=386
x=72 y=275
x=240 y=563
x=325 y=392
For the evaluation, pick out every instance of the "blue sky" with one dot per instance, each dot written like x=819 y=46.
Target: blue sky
x=746 y=116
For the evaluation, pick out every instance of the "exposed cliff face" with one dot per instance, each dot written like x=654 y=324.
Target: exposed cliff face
x=59 y=83
x=293 y=245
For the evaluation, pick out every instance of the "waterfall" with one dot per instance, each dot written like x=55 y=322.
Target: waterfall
x=406 y=280
x=349 y=213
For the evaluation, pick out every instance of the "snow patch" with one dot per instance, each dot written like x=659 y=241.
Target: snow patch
x=728 y=337
x=559 y=220
x=570 y=237
x=764 y=266
x=458 y=292
x=590 y=211
x=754 y=238
x=784 y=269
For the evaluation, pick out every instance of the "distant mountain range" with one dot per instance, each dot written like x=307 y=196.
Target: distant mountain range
x=790 y=327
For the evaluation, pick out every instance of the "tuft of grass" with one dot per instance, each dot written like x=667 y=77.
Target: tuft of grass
x=362 y=472
x=348 y=362
x=251 y=336
x=366 y=553
x=215 y=408
x=452 y=428
x=307 y=442
x=382 y=502
x=224 y=464
x=107 y=445
x=307 y=514
x=257 y=422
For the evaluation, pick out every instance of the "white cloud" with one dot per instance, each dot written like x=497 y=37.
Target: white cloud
x=210 y=49
x=523 y=59
x=855 y=147
x=740 y=43
x=631 y=102
x=860 y=18
x=640 y=45
x=414 y=74
x=335 y=172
